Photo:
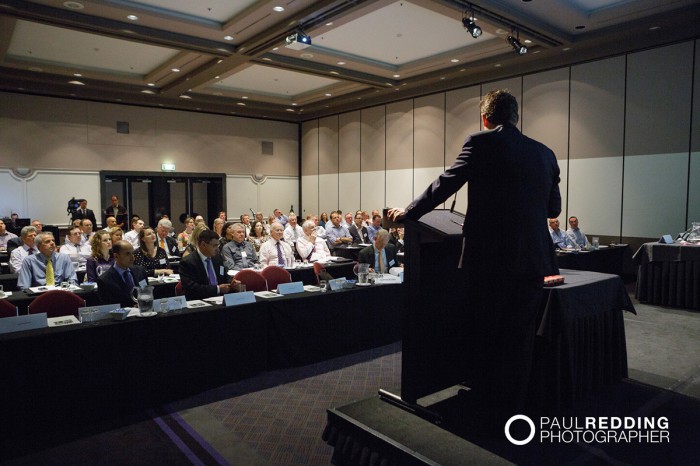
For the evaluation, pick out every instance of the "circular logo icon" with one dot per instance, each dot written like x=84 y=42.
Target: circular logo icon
x=519 y=417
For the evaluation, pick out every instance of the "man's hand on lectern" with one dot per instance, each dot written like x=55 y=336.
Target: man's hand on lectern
x=396 y=214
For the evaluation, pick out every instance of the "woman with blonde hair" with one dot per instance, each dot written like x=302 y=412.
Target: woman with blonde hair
x=100 y=259
x=192 y=246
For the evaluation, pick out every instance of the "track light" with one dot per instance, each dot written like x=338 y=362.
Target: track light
x=519 y=48
x=470 y=26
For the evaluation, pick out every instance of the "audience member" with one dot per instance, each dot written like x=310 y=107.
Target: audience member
x=116 y=284
x=337 y=234
x=292 y=231
x=149 y=256
x=280 y=217
x=396 y=238
x=192 y=246
x=87 y=226
x=247 y=226
x=5 y=235
x=374 y=227
x=238 y=253
x=323 y=221
x=275 y=251
x=165 y=241
x=100 y=259
x=183 y=239
x=348 y=220
x=561 y=240
x=258 y=235
x=116 y=234
x=132 y=235
x=575 y=234
x=110 y=223
x=358 y=231
x=198 y=219
x=117 y=211
x=310 y=246
x=218 y=225
x=222 y=215
x=320 y=230
x=381 y=256
x=75 y=248
x=203 y=273
x=82 y=212
x=38 y=225
x=46 y=268
x=27 y=248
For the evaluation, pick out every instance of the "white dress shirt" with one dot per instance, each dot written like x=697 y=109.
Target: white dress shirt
x=268 y=253
x=292 y=234
x=78 y=252
x=319 y=248
x=132 y=236
x=18 y=255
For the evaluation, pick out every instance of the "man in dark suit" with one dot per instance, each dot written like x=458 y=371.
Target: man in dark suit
x=117 y=283
x=515 y=179
x=83 y=212
x=117 y=211
x=203 y=273
x=381 y=256
x=358 y=231
x=164 y=240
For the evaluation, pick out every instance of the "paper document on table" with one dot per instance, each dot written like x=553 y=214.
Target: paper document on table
x=214 y=300
x=63 y=320
x=311 y=288
x=267 y=294
x=194 y=304
x=7 y=294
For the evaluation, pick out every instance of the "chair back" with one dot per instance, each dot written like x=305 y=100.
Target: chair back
x=318 y=267
x=178 y=289
x=253 y=281
x=275 y=276
x=56 y=303
x=7 y=309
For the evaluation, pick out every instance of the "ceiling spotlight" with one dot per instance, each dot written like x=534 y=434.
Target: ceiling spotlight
x=132 y=17
x=278 y=9
x=77 y=83
x=297 y=41
x=175 y=70
x=519 y=48
x=228 y=37
x=471 y=26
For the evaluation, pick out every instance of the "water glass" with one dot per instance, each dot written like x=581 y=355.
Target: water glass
x=241 y=287
x=164 y=306
x=323 y=284
x=65 y=285
x=596 y=242
x=2 y=291
x=160 y=276
x=297 y=264
x=86 y=315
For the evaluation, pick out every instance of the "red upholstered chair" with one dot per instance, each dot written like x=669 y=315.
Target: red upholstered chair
x=275 y=276
x=253 y=281
x=318 y=267
x=56 y=303
x=178 y=289
x=7 y=309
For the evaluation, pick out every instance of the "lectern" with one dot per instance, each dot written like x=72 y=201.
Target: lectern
x=433 y=323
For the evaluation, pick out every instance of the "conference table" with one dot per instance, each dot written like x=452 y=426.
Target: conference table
x=605 y=259
x=669 y=275
x=22 y=299
x=71 y=377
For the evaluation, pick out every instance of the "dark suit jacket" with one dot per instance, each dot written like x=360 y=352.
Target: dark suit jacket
x=367 y=256
x=359 y=236
x=513 y=180
x=171 y=245
x=194 y=277
x=111 y=288
x=89 y=214
x=13 y=244
x=121 y=217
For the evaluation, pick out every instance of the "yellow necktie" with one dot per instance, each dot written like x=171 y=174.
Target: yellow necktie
x=50 y=280
x=162 y=243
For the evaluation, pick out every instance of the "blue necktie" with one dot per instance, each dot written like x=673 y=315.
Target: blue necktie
x=280 y=256
x=128 y=279
x=210 y=272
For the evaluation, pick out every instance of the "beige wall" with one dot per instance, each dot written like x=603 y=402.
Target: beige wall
x=620 y=127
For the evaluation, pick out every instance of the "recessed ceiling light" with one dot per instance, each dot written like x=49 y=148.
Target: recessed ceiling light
x=536 y=51
x=35 y=68
x=228 y=37
x=441 y=78
x=218 y=93
x=132 y=17
x=328 y=95
x=290 y=109
x=151 y=84
x=307 y=55
x=175 y=70
x=244 y=97
x=77 y=83
x=397 y=75
x=278 y=9
x=267 y=59
x=242 y=104
x=275 y=49
x=497 y=65
x=566 y=49
x=217 y=77
x=73 y=5
x=654 y=28
x=183 y=96
x=527 y=41
x=341 y=63
x=147 y=91
x=294 y=104
x=77 y=75
x=219 y=61
x=335 y=73
x=329 y=23
x=502 y=31
x=455 y=60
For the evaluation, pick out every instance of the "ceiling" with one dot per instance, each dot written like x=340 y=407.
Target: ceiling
x=229 y=56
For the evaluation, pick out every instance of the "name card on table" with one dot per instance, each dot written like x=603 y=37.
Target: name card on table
x=234 y=299
x=388 y=278
x=337 y=284
x=290 y=288
x=19 y=323
x=174 y=303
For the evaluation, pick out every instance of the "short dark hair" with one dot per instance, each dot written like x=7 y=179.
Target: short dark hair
x=500 y=107
x=206 y=236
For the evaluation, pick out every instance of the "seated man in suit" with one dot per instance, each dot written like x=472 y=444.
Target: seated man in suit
x=116 y=284
x=358 y=231
x=238 y=253
x=381 y=256
x=165 y=241
x=46 y=268
x=203 y=273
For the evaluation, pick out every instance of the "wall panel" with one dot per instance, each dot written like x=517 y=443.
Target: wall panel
x=694 y=178
x=349 y=137
x=279 y=193
x=241 y=196
x=373 y=158
x=310 y=141
x=328 y=165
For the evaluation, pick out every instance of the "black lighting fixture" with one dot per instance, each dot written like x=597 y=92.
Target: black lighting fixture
x=297 y=41
x=519 y=48
x=470 y=25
